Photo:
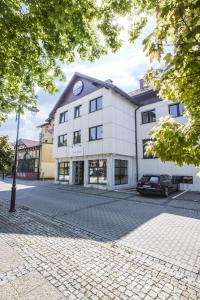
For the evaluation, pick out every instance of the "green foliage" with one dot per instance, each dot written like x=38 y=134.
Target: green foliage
x=36 y=37
x=175 y=43
x=6 y=155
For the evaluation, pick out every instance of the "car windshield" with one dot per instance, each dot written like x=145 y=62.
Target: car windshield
x=150 y=179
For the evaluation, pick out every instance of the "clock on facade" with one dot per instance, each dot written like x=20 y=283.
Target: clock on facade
x=78 y=87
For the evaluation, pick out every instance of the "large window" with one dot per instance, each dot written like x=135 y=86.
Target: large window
x=96 y=133
x=77 y=111
x=77 y=137
x=148 y=116
x=62 y=140
x=63 y=171
x=144 y=149
x=176 y=110
x=184 y=179
x=28 y=164
x=63 y=117
x=98 y=171
x=96 y=104
x=121 y=171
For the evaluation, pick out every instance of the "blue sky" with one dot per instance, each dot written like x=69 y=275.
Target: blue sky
x=125 y=68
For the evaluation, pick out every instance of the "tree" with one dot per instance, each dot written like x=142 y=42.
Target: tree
x=36 y=37
x=6 y=155
x=175 y=43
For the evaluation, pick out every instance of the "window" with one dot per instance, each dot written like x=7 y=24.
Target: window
x=98 y=171
x=176 y=110
x=184 y=179
x=77 y=111
x=95 y=133
x=62 y=140
x=77 y=137
x=63 y=117
x=28 y=164
x=121 y=171
x=63 y=171
x=144 y=149
x=148 y=116
x=154 y=179
x=96 y=104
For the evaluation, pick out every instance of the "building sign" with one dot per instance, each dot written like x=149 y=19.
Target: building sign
x=76 y=151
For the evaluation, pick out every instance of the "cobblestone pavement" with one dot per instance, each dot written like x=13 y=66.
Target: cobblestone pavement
x=83 y=245
x=55 y=260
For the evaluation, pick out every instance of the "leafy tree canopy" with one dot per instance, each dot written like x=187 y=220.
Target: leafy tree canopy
x=36 y=37
x=6 y=155
x=175 y=43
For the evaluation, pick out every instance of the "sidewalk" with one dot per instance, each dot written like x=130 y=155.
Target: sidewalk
x=43 y=258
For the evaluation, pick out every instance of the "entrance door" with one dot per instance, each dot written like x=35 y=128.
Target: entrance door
x=79 y=172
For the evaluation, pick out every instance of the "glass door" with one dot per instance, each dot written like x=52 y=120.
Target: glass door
x=79 y=172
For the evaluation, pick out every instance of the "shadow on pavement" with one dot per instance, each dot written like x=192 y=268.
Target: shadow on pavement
x=167 y=233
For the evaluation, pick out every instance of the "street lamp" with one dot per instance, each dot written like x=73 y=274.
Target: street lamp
x=14 y=168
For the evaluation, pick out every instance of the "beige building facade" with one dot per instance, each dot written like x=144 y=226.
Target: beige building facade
x=35 y=158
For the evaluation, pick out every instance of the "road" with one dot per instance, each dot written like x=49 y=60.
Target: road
x=168 y=233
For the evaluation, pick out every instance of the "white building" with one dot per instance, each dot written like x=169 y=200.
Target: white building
x=100 y=132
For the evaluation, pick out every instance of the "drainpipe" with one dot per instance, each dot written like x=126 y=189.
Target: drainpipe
x=136 y=148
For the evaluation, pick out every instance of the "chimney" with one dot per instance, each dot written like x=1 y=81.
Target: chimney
x=109 y=81
x=141 y=83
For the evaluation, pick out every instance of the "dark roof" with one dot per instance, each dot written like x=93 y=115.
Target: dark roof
x=145 y=96
x=140 y=91
x=44 y=124
x=29 y=143
x=107 y=84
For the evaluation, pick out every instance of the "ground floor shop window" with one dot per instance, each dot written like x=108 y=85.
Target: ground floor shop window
x=63 y=171
x=28 y=164
x=121 y=171
x=98 y=171
x=184 y=179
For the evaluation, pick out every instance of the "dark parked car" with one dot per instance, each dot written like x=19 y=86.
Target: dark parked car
x=162 y=184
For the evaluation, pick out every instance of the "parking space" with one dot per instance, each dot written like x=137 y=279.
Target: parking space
x=187 y=195
x=180 y=199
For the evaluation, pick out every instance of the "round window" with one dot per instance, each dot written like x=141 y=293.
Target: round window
x=78 y=87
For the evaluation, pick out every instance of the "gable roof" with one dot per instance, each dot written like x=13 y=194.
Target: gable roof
x=106 y=84
x=29 y=143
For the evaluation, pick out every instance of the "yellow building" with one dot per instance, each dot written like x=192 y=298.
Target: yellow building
x=35 y=158
x=47 y=162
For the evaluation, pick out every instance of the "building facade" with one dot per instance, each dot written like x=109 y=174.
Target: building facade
x=28 y=161
x=35 y=158
x=100 y=134
x=47 y=161
x=148 y=116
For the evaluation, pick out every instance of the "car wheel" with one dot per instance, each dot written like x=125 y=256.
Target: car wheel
x=166 y=192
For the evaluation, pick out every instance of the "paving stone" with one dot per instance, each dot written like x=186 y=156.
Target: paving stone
x=9 y=259
x=7 y=292
x=43 y=292
x=80 y=264
x=28 y=282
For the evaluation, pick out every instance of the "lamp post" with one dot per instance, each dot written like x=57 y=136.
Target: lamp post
x=14 y=168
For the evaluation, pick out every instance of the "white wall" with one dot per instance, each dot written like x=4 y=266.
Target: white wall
x=117 y=118
x=155 y=165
